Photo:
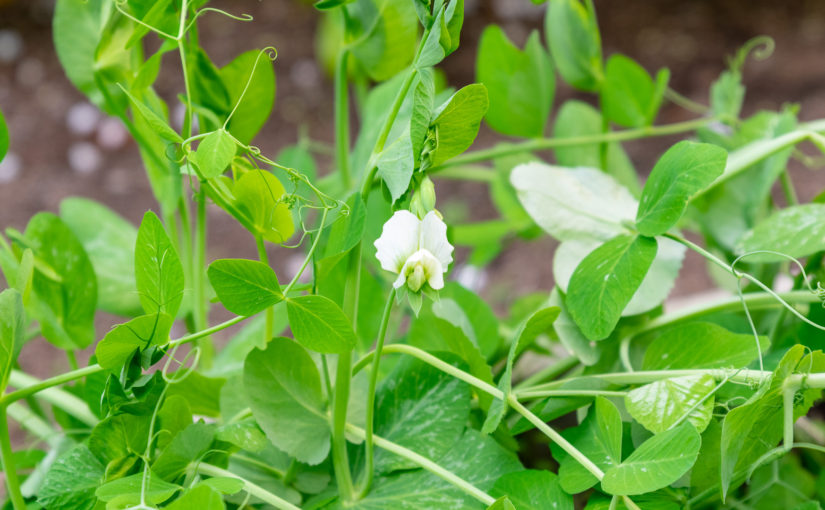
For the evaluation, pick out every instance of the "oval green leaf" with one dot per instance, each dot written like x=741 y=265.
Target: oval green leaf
x=320 y=325
x=605 y=281
x=683 y=171
x=245 y=287
x=283 y=386
x=657 y=463
x=796 y=231
x=158 y=270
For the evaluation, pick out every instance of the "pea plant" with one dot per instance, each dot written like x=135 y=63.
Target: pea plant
x=370 y=379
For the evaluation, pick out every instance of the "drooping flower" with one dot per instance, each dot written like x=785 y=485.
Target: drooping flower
x=416 y=250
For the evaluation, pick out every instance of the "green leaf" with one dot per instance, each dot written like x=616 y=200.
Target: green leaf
x=599 y=438
x=539 y=322
x=702 y=345
x=201 y=497
x=72 y=480
x=119 y=344
x=253 y=110
x=533 y=490
x=64 y=282
x=190 y=443
x=629 y=96
x=756 y=426
x=223 y=484
x=520 y=83
x=158 y=270
x=388 y=43
x=605 y=281
x=319 y=324
x=259 y=198
x=12 y=331
x=573 y=38
x=457 y=121
x=569 y=334
x=502 y=503
x=422 y=109
x=4 y=137
x=284 y=390
x=344 y=233
x=651 y=292
x=322 y=5
x=245 y=287
x=796 y=231
x=727 y=95
x=201 y=392
x=132 y=490
x=657 y=463
x=683 y=171
x=577 y=119
x=396 y=165
x=420 y=408
x=214 y=154
x=77 y=27
x=157 y=123
x=573 y=203
x=477 y=459
x=660 y=405
x=230 y=359
x=109 y=241
x=443 y=37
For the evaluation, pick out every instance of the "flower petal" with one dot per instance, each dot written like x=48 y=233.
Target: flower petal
x=434 y=239
x=399 y=240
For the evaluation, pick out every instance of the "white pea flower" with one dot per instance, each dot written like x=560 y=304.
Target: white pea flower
x=416 y=250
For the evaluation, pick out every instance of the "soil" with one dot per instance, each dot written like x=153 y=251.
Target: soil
x=50 y=161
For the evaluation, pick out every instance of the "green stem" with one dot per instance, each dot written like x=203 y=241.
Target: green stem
x=340 y=458
x=788 y=188
x=252 y=488
x=308 y=258
x=427 y=464
x=556 y=437
x=6 y=455
x=366 y=185
x=468 y=173
x=270 y=312
x=342 y=118
x=201 y=310
x=549 y=372
x=568 y=393
x=368 y=443
x=30 y=421
x=550 y=143
x=54 y=396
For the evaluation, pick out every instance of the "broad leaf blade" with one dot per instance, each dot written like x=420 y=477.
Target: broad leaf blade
x=284 y=391
x=533 y=490
x=158 y=270
x=796 y=231
x=657 y=463
x=320 y=325
x=605 y=281
x=702 y=345
x=214 y=154
x=660 y=405
x=245 y=287
x=683 y=171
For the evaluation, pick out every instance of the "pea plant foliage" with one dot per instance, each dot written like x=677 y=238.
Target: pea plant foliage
x=369 y=378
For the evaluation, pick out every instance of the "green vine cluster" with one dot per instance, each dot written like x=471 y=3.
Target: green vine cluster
x=323 y=398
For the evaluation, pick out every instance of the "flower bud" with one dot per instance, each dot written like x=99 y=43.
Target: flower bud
x=423 y=200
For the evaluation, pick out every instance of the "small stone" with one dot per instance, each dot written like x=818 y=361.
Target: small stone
x=84 y=158
x=305 y=73
x=82 y=118
x=471 y=277
x=111 y=134
x=30 y=72
x=11 y=46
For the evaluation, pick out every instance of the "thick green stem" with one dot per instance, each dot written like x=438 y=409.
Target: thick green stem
x=551 y=143
x=201 y=304
x=568 y=393
x=556 y=437
x=54 y=396
x=342 y=118
x=340 y=458
x=368 y=443
x=427 y=464
x=549 y=372
x=270 y=312
x=9 y=469
x=252 y=488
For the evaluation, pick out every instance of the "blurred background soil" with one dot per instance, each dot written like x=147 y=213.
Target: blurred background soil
x=61 y=146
